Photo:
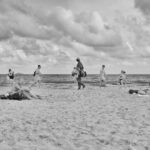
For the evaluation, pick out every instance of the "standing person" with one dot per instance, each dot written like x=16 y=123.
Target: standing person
x=102 y=77
x=37 y=76
x=122 y=78
x=80 y=69
x=11 y=76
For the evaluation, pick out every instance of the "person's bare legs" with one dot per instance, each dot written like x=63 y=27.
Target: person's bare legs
x=102 y=83
x=34 y=84
x=80 y=83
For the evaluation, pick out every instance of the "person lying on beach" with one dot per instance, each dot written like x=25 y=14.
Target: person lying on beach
x=140 y=92
x=19 y=93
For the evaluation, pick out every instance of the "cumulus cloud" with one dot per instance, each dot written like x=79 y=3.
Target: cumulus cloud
x=43 y=35
x=23 y=21
x=144 y=5
x=19 y=19
x=135 y=35
x=37 y=31
x=88 y=28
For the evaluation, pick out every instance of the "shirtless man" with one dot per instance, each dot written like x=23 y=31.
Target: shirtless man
x=80 y=68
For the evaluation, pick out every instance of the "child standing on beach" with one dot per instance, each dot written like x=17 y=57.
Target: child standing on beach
x=102 y=77
x=122 y=78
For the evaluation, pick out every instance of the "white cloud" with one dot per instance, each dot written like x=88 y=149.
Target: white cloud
x=83 y=31
x=54 y=33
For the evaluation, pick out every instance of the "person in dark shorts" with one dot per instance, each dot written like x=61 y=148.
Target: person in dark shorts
x=80 y=69
x=11 y=76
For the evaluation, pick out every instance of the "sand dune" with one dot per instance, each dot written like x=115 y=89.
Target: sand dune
x=67 y=119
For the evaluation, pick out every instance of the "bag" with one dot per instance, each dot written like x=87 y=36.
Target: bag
x=83 y=73
x=13 y=75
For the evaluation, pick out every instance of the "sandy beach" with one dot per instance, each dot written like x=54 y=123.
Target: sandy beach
x=67 y=119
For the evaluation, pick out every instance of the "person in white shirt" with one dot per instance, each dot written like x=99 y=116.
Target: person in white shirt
x=102 y=77
x=37 y=76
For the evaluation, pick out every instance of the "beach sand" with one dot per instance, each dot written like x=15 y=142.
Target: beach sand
x=67 y=119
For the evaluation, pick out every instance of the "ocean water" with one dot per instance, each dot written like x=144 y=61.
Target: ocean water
x=93 y=80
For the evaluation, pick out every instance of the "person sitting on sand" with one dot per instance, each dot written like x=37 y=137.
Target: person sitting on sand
x=19 y=93
x=122 y=78
x=102 y=77
x=11 y=76
x=80 y=69
x=37 y=76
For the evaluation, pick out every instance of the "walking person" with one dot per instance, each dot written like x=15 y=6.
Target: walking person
x=102 y=76
x=80 y=69
x=37 y=76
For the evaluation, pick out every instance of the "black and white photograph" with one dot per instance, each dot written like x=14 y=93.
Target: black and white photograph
x=74 y=74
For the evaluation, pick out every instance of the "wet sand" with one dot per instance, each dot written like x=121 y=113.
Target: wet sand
x=67 y=119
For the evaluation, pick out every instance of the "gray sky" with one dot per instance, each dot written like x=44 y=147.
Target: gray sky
x=54 y=32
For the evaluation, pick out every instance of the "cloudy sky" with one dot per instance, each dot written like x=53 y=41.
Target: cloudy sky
x=54 y=32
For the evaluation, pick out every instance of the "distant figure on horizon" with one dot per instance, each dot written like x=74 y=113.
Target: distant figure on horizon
x=37 y=76
x=11 y=76
x=122 y=78
x=80 y=69
x=102 y=77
